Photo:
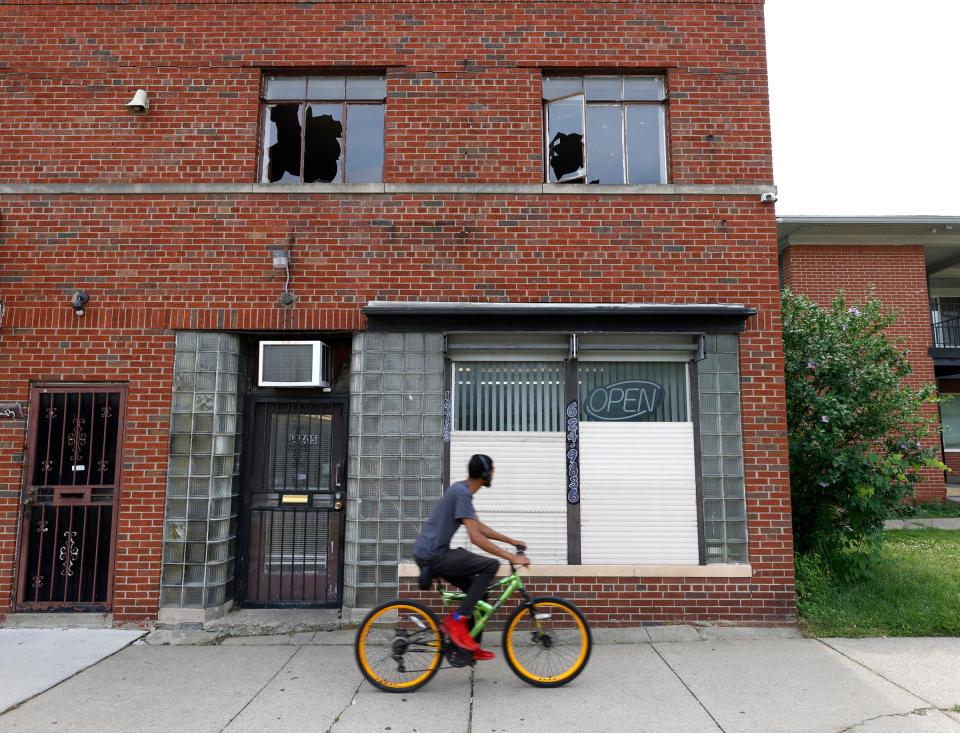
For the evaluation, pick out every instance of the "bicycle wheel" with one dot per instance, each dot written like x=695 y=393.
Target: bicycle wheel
x=550 y=646
x=398 y=646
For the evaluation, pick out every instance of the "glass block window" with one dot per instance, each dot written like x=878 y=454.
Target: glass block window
x=509 y=396
x=200 y=522
x=721 y=444
x=395 y=457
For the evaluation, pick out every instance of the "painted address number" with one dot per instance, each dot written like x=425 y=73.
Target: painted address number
x=304 y=439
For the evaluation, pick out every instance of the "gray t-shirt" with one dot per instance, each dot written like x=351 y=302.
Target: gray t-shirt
x=456 y=504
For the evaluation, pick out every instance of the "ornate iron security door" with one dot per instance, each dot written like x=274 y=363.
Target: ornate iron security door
x=70 y=498
x=294 y=499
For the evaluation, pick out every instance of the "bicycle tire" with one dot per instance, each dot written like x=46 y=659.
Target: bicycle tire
x=394 y=634
x=556 y=651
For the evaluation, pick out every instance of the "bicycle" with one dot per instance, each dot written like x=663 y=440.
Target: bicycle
x=546 y=641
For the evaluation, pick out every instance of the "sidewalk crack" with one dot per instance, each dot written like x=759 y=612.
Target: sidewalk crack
x=692 y=693
x=262 y=688
x=353 y=699
x=930 y=704
x=915 y=711
x=470 y=707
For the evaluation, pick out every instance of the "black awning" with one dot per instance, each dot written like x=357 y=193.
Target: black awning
x=557 y=317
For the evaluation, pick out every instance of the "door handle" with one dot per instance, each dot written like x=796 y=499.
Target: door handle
x=29 y=496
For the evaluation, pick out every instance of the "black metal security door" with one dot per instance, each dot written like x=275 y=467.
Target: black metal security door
x=70 y=494
x=294 y=498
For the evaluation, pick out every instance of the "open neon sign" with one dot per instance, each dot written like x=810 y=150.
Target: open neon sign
x=627 y=400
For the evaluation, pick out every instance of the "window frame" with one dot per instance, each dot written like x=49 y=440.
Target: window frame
x=661 y=104
x=265 y=103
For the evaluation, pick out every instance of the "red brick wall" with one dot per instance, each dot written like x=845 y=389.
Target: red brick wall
x=463 y=83
x=463 y=107
x=897 y=276
x=630 y=601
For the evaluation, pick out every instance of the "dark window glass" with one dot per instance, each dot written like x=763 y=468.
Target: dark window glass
x=565 y=140
x=323 y=143
x=282 y=133
x=323 y=129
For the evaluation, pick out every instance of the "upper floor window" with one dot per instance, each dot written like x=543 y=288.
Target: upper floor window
x=605 y=129
x=322 y=129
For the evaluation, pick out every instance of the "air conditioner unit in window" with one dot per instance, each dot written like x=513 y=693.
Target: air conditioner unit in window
x=294 y=364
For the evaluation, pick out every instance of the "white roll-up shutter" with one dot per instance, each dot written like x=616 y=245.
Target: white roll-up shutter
x=638 y=493
x=527 y=499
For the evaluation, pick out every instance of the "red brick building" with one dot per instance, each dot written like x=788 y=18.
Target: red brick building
x=912 y=264
x=258 y=316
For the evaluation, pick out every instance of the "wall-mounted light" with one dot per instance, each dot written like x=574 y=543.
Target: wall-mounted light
x=281 y=261
x=140 y=103
x=78 y=300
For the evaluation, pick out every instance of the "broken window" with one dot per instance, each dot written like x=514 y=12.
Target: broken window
x=605 y=129
x=323 y=129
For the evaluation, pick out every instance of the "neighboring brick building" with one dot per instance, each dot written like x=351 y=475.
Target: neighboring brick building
x=408 y=184
x=912 y=264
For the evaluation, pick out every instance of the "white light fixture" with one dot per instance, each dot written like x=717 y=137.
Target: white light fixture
x=281 y=261
x=140 y=103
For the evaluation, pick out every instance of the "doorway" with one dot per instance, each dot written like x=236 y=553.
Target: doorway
x=293 y=503
x=69 y=499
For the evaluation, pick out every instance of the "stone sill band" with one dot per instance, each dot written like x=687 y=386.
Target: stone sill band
x=344 y=189
x=411 y=571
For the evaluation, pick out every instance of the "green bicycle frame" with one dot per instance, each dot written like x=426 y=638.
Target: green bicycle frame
x=483 y=610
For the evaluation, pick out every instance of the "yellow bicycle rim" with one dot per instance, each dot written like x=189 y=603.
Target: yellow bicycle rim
x=568 y=615
x=363 y=648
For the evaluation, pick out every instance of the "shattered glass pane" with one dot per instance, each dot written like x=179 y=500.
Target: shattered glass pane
x=644 y=88
x=281 y=144
x=605 y=141
x=565 y=135
x=364 y=158
x=322 y=143
x=603 y=88
x=285 y=87
x=555 y=87
x=645 y=144
x=366 y=87
x=325 y=87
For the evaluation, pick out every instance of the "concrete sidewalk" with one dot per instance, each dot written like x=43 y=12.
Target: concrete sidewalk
x=717 y=680
x=34 y=660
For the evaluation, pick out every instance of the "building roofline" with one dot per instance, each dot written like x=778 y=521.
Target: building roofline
x=879 y=230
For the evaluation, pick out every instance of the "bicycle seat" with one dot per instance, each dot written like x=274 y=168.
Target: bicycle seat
x=426 y=577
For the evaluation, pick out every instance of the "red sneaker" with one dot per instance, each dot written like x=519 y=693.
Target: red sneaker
x=459 y=634
x=482 y=655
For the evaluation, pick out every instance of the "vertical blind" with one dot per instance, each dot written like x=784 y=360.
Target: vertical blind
x=509 y=396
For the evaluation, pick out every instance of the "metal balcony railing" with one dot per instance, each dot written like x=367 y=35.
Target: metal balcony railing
x=946 y=333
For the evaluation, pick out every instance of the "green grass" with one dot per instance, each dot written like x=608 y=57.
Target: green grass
x=930 y=509
x=914 y=592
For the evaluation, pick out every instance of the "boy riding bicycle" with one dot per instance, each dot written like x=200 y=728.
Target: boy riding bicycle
x=470 y=572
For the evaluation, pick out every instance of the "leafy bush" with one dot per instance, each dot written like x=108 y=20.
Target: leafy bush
x=858 y=435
